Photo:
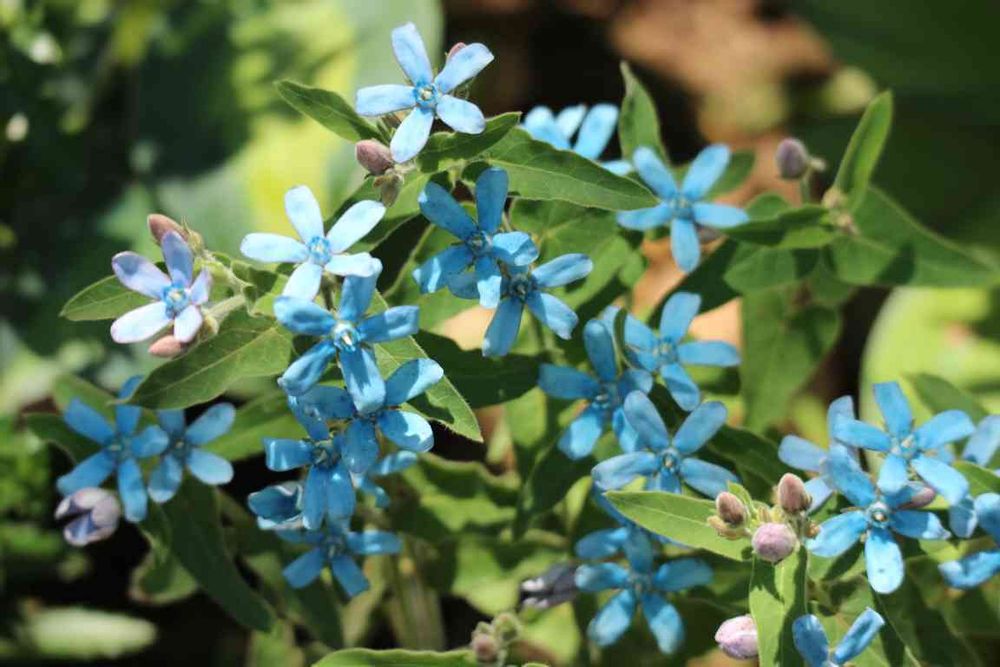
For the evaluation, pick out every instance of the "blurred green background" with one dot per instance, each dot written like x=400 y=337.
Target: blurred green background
x=112 y=110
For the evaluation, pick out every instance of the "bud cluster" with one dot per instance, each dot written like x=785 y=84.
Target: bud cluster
x=491 y=641
x=377 y=160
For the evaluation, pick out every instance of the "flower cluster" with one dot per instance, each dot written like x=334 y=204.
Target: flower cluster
x=593 y=129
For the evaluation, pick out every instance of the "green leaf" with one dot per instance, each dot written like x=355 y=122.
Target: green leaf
x=264 y=417
x=778 y=595
x=783 y=345
x=363 y=657
x=68 y=387
x=707 y=280
x=939 y=395
x=509 y=377
x=680 y=518
x=891 y=248
x=805 y=227
x=104 y=300
x=551 y=477
x=638 y=122
x=447 y=149
x=51 y=428
x=754 y=269
x=328 y=109
x=79 y=634
x=865 y=148
x=538 y=170
x=161 y=580
x=980 y=479
x=196 y=540
x=736 y=172
x=245 y=347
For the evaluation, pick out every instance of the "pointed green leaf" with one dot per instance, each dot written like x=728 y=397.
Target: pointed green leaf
x=939 y=395
x=755 y=269
x=104 y=300
x=363 y=657
x=328 y=109
x=447 y=149
x=638 y=122
x=980 y=479
x=778 y=596
x=865 y=147
x=51 y=428
x=805 y=227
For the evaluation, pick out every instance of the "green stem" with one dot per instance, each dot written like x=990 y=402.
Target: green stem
x=223 y=308
x=237 y=283
x=413 y=609
x=805 y=187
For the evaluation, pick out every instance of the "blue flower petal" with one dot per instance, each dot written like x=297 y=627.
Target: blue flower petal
x=302 y=316
x=362 y=378
x=212 y=423
x=433 y=274
x=847 y=476
x=634 y=379
x=613 y=619
x=600 y=577
x=894 y=475
x=461 y=115
x=598 y=126
x=799 y=453
x=139 y=274
x=463 y=286
x=618 y=471
x=503 y=328
x=628 y=437
x=988 y=510
x=90 y=472
x=708 y=353
x=411 y=54
x=646 y=218
x=340 y=496
x=276 y=503
x=971 y=571
x=314 y=497
x=705 y=170
x=984 y=442
x=151 y=442
x=282 y=454
x=396 y=322
x=840 y=409
x=304 y=282
x=859 y=636
x=838 y=534
x=411 y=135
x=440 y=208
x=600 y=345
x=895 y=408
x=566 y=383
x=139 y=324
x=165 y=479
x=178 y=257
x=942 y=429
x=541 y=124
x=553 y=313
x=273 y=248
x=578 y=440
x=393 y=463
x=664 y=480
x=304 y=213
x=681 y=387
x=383 y=99
x=412 y=379
x=563 y=270
x=681 y=574
x=514 y=248
x=187 y=323
x=601 y=543
x=568 y=120
x=684 y=244
x=653 y=172
x=810 y=639
x=706 y=478
x=360 y=264
x=407 y=429
x=819 y=490
x=132 y=490
x=303 y=373
x=664 y=622
x=354 y=224
x=883 y=561
x=356 y=295
x=349 y=575
x=857 y=433
x=462 y=66
x=718 y=216
x=361 y=448
x=88 y=422
x=677 y=314
x=488 y=281
x=962 y=518
x=700 y=426
x=303 y=570
x=209 y=468
x=918 y=525
x=491 y=197
x=173 y=422
x=646 y=420
x=617 y=167
x=373 y=542
x=946 y=480
x=201 y=288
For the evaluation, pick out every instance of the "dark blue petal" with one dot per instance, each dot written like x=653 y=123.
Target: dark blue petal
x=440 y=208
x=563 y=270
x=371 y=542
x=90 y=472
x=303 y=570
x=847 y=476
x=209 y=468
x=502 y=332
x=396 y=322
x=349 y=575
x=132 y=490
x=303 y=373
x=645 y=419
x=212 y=423
x=681 y=387
x=988 y=511
x=600 y=345
x=706 y=478
x=433 y=274
x=411 y=379
x=281 y=454
x=601 y=543
x=810 y=639
x=88 y=422
x=165 y=479
x=491 y=197
x=678 y=311
x=664 y=622
x=361 y=375
x=859 y=636
x=601 y=577
x=566 y=383
x=578 y=440
x=356 y=295
x=681 y=574
x=618 y=471
x=514 y=248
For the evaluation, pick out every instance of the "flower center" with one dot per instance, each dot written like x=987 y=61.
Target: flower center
x=667 y=351
x=324 y=454
x=334 y=545
x=905 y=447
x=319 y=250
x=477 y=243
x=640 y=582
x=345 y=336
x=607 y=398
x=521 y=286
x=670 y=460
x=680 y=206
x=878 y=513
x=427 y=96
x=176 y=298
x=119 y=447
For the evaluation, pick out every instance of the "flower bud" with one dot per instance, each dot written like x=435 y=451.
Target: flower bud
x=792 y=494
x=922 y=498
x=730 y=509
x=792 y=158
x=97 y=514
x=455 y=49
x=507 y=627
x=160 y=224
x=773 y=542
x=388 y=187
x=485 y=648
x=166 y=347
x=373 y=156
x=737 y=637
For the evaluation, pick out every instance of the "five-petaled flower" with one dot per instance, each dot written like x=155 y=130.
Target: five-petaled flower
x=907 y=449
x=878 y=514
x=593 y=129
x=482 y=247
x=179 y=297
x=185 y=450
x=317 y=252
x=347 y=335
x=683 y=208
x=665 y=462
x=336 y=547
x=810 y=639
x=120 y=449
x=428 y=95
x=667 y=353
x=977 y=568
x=523 y=286
x=604 y=394
x=643 y=584
x=799 y=453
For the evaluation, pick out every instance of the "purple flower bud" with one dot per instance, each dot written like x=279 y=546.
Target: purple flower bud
x=737 y=637
x=730 y=509
x=455 y=49
x=792 y=159
x=792 y=494
x=160 y=224
x=773 y=542
x=97 y=514
x=373 y=156
x=922 y=498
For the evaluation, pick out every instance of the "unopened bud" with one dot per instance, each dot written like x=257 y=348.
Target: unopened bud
x=373 y=156
x=730 y=509
x=773 y=542
x=792 y=158
x=507 y=627
x=160 y=224
x=97 y=514
x=737 y=637
x=455 y=49
x=166 y=347
x=792 y=494
x=485 y=648
x=922 y=498
x=388 y=187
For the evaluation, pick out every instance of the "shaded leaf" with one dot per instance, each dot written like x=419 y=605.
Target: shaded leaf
x=638 y=122
x=939 y=395
x=104 y=300
x=329 y=110
x=447 y=149
x=865 y=147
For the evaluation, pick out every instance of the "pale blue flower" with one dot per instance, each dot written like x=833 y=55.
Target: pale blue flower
x=979 y=449
x=593 y=129
x=185 y=450
x=810 y=639
x=429 y=96
x=317 y=252
x=178 y=298
x=799 y=453
x=683 y=208
x=977 y=568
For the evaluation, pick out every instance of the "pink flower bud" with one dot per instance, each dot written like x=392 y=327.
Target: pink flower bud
x=485 y=648
x=773 y=542
x=160 y=224
x=792 y=494
x=792 y=159
x=166 y=347
x=455 y=49
x=737 y=637
x=730 y=509
x=373 y=156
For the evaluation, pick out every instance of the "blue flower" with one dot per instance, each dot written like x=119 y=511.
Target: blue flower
x=317 y=252
x=975 y=569
x=983 y=443
x=279 y=506
x=593 y=130
x=185 y=450
x=427 y=95
x=810 y=639
x=683 y=207
x=667 y=353
x=628 y=538
x=666 y=461
x=121 y=447
x=879 y=513
x=799 y=453
x=336 y=547
x=482 y=248
x=387 y=465
x=347 y=335
x=179 y=297
x=524 y=287
x=641 y=584
x=328 y=491
x=907 y=449
x=604 y=394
